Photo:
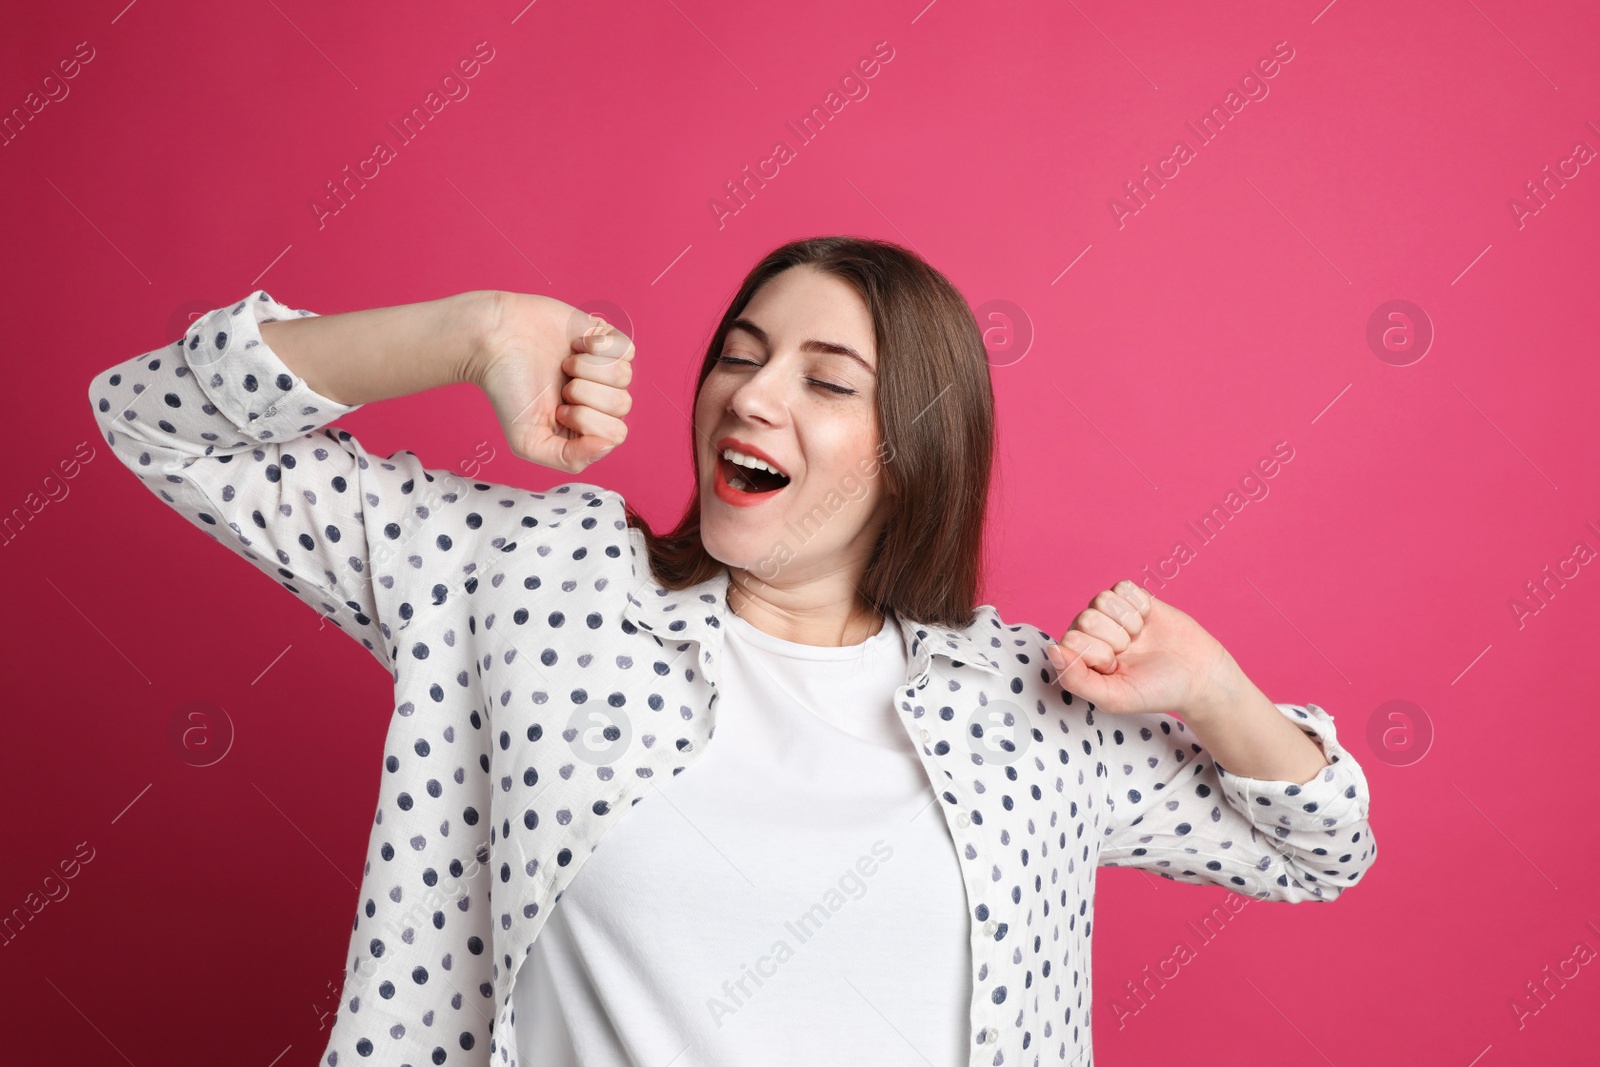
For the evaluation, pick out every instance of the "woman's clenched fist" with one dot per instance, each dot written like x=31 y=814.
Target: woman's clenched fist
x=557 y=378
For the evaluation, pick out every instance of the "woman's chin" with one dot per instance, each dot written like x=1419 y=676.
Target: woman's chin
x=725 y=547
x=746 y=551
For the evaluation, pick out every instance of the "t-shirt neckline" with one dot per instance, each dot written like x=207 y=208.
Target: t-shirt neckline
x=752 y=634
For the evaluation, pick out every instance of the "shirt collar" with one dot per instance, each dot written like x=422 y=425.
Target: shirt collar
x=690 y=613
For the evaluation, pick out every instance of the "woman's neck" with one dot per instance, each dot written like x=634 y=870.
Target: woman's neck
x=825 y=612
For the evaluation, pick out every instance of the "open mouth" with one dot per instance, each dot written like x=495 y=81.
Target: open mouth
x=750 y=479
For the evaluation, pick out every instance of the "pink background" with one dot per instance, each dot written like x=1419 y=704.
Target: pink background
x=1228 y=314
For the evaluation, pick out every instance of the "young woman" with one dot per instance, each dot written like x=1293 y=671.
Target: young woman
x=848 y=815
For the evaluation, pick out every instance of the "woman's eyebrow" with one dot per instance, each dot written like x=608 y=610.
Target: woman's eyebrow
x=809 y=345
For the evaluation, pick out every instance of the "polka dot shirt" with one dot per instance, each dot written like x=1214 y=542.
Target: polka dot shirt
x=543 y=682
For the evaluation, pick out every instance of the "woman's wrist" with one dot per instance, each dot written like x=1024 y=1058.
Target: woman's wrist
x=477 y=317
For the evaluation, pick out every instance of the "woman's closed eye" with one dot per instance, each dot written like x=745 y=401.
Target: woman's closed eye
x=842 y=390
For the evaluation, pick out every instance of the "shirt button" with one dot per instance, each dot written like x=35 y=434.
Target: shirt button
x=990 y=927
x=991 y=1035
x=963 y=820
x=923 y=734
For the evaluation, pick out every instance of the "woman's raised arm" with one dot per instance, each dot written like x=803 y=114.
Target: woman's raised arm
x=556 y=377
x=230 y=432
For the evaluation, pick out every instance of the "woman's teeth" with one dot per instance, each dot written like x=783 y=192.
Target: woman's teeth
x=742 y=474
x=743 y=460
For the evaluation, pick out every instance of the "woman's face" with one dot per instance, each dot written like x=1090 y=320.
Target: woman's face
x=786 y=389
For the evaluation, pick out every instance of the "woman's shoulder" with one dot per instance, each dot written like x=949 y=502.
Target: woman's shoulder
x=511 y=510
x=573 y=520
x=990 y=629
x=457 y=529
x=986 y=638
x=568 y=499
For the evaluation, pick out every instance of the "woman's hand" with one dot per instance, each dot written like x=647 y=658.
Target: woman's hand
x=1129 y=653
x=557 y=378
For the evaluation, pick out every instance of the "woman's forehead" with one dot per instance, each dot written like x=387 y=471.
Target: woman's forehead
x=812 y=312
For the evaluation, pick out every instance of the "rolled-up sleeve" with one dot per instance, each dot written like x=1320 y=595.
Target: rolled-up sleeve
x=1177 y=812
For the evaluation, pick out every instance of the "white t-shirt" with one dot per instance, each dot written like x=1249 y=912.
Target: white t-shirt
x=793 y=897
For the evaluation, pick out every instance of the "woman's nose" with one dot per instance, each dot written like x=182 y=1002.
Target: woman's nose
x=759 y=396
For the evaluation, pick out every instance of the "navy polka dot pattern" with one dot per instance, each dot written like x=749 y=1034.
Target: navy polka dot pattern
x=543 y=681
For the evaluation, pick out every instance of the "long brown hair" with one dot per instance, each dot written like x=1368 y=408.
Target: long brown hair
x=935 y=410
